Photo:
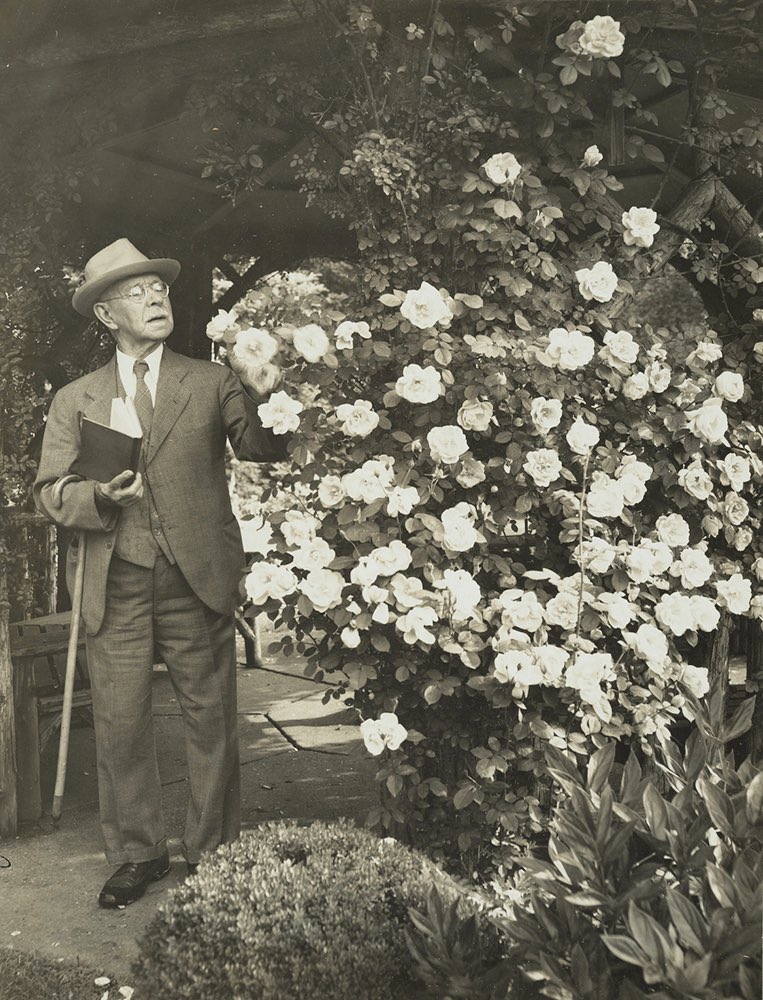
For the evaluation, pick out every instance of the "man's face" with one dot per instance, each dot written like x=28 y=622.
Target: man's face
x=140 y=321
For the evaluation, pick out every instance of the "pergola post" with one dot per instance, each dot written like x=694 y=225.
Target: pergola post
x=192 y=304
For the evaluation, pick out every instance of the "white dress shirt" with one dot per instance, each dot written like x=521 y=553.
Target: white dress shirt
x=126 y=373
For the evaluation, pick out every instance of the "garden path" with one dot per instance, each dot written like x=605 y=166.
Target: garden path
x=300 y=759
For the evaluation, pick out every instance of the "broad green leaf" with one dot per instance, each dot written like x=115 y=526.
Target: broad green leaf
x=688 y=921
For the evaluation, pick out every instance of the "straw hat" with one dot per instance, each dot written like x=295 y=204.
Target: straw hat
x=118 y=260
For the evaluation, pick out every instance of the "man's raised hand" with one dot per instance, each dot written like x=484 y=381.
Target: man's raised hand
x=124 y=490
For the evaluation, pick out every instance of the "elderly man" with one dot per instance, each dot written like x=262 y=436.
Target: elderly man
x=163 y=563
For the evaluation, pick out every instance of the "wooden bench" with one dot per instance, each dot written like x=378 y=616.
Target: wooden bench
x=38 y=652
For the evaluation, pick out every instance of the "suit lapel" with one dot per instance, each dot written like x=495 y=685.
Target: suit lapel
x=101 y=390
x=171 y=399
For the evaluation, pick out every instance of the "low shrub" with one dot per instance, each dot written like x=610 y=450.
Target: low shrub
x=292 y=913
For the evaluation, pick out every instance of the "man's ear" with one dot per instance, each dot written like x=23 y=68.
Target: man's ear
x=102 y=313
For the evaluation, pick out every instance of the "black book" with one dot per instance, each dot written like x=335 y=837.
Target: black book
x=104 y=452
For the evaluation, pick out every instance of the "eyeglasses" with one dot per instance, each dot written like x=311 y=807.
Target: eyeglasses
x=138 y=292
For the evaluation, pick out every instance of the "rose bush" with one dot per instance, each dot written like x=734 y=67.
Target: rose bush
x=530 y=515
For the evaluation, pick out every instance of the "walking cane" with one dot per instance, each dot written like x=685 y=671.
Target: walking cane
x=71 y=654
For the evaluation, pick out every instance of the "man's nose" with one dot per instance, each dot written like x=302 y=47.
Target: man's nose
x=153 y=297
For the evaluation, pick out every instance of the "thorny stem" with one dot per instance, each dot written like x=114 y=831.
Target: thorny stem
x=581 y=559
x=434 y=12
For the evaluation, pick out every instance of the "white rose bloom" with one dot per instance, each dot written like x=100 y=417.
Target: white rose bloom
x=597 y=554
x=659 y=376
x=344 y=333
x=447 y=444
x=618 y=611
x=220 y=324
x=650 y=645
x=350 y=637
x=543 y=466
x=562 y=610
x=673 y=530
x=709 y=423
x=402 y=500
x=676 y=612
x=706 y=613
x=331 y=493
x=693 y=567
x=408 y=591
x=386 y=732
x=280 y=412
x=587 y=673
x=311 y=342
x=502 y=168
x=419 y=385
x=475 y=415
x=364 y=484
x=323 y=588
x=569 y=350
x=255 y=348
x=598 y=282
x=392 y=558
x=552 y=660
x=517 y=667
x=639 y=564
x=460 y=535
x=757 y=567
x=601 y=38
x=256 y=535
x=415 y=625
x=620 y=349
x=636 y=386
x=545 y=413
x=706 y=352
x=735 y=471
x=730 y=386
x=605 y=497
x=696 y=680
x=358 y=418
x=735 y=594
x=472 y=472
x=662 y=555
x=424 y=307
x=315 y=554
x=592 y=157
x=695 y=481
x=464 y=591
x=582 y=437
x=756 y=607
x=634 y=490
x=266 y=580
x=742 y=538
x=640 y=225
x=525 y=612
x=735 y=508
x=632 y=467
x=299 y=527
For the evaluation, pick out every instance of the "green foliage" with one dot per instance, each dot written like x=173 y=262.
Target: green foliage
x=454 y=956
x=646 y=887
x=308 y=913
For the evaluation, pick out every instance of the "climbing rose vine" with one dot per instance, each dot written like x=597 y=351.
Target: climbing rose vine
x=512 y=518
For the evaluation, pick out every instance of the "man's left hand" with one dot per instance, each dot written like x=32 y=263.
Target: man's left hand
x=262 y=381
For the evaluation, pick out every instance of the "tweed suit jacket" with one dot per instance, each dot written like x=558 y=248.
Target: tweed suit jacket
x=198 y=405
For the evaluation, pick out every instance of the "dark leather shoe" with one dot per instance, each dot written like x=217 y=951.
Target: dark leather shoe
x=192 y=866
x=130 y=881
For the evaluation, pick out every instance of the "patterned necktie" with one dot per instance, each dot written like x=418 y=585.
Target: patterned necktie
x=143 y=402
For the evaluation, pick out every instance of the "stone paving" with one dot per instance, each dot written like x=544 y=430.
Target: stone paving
x=300 y=759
